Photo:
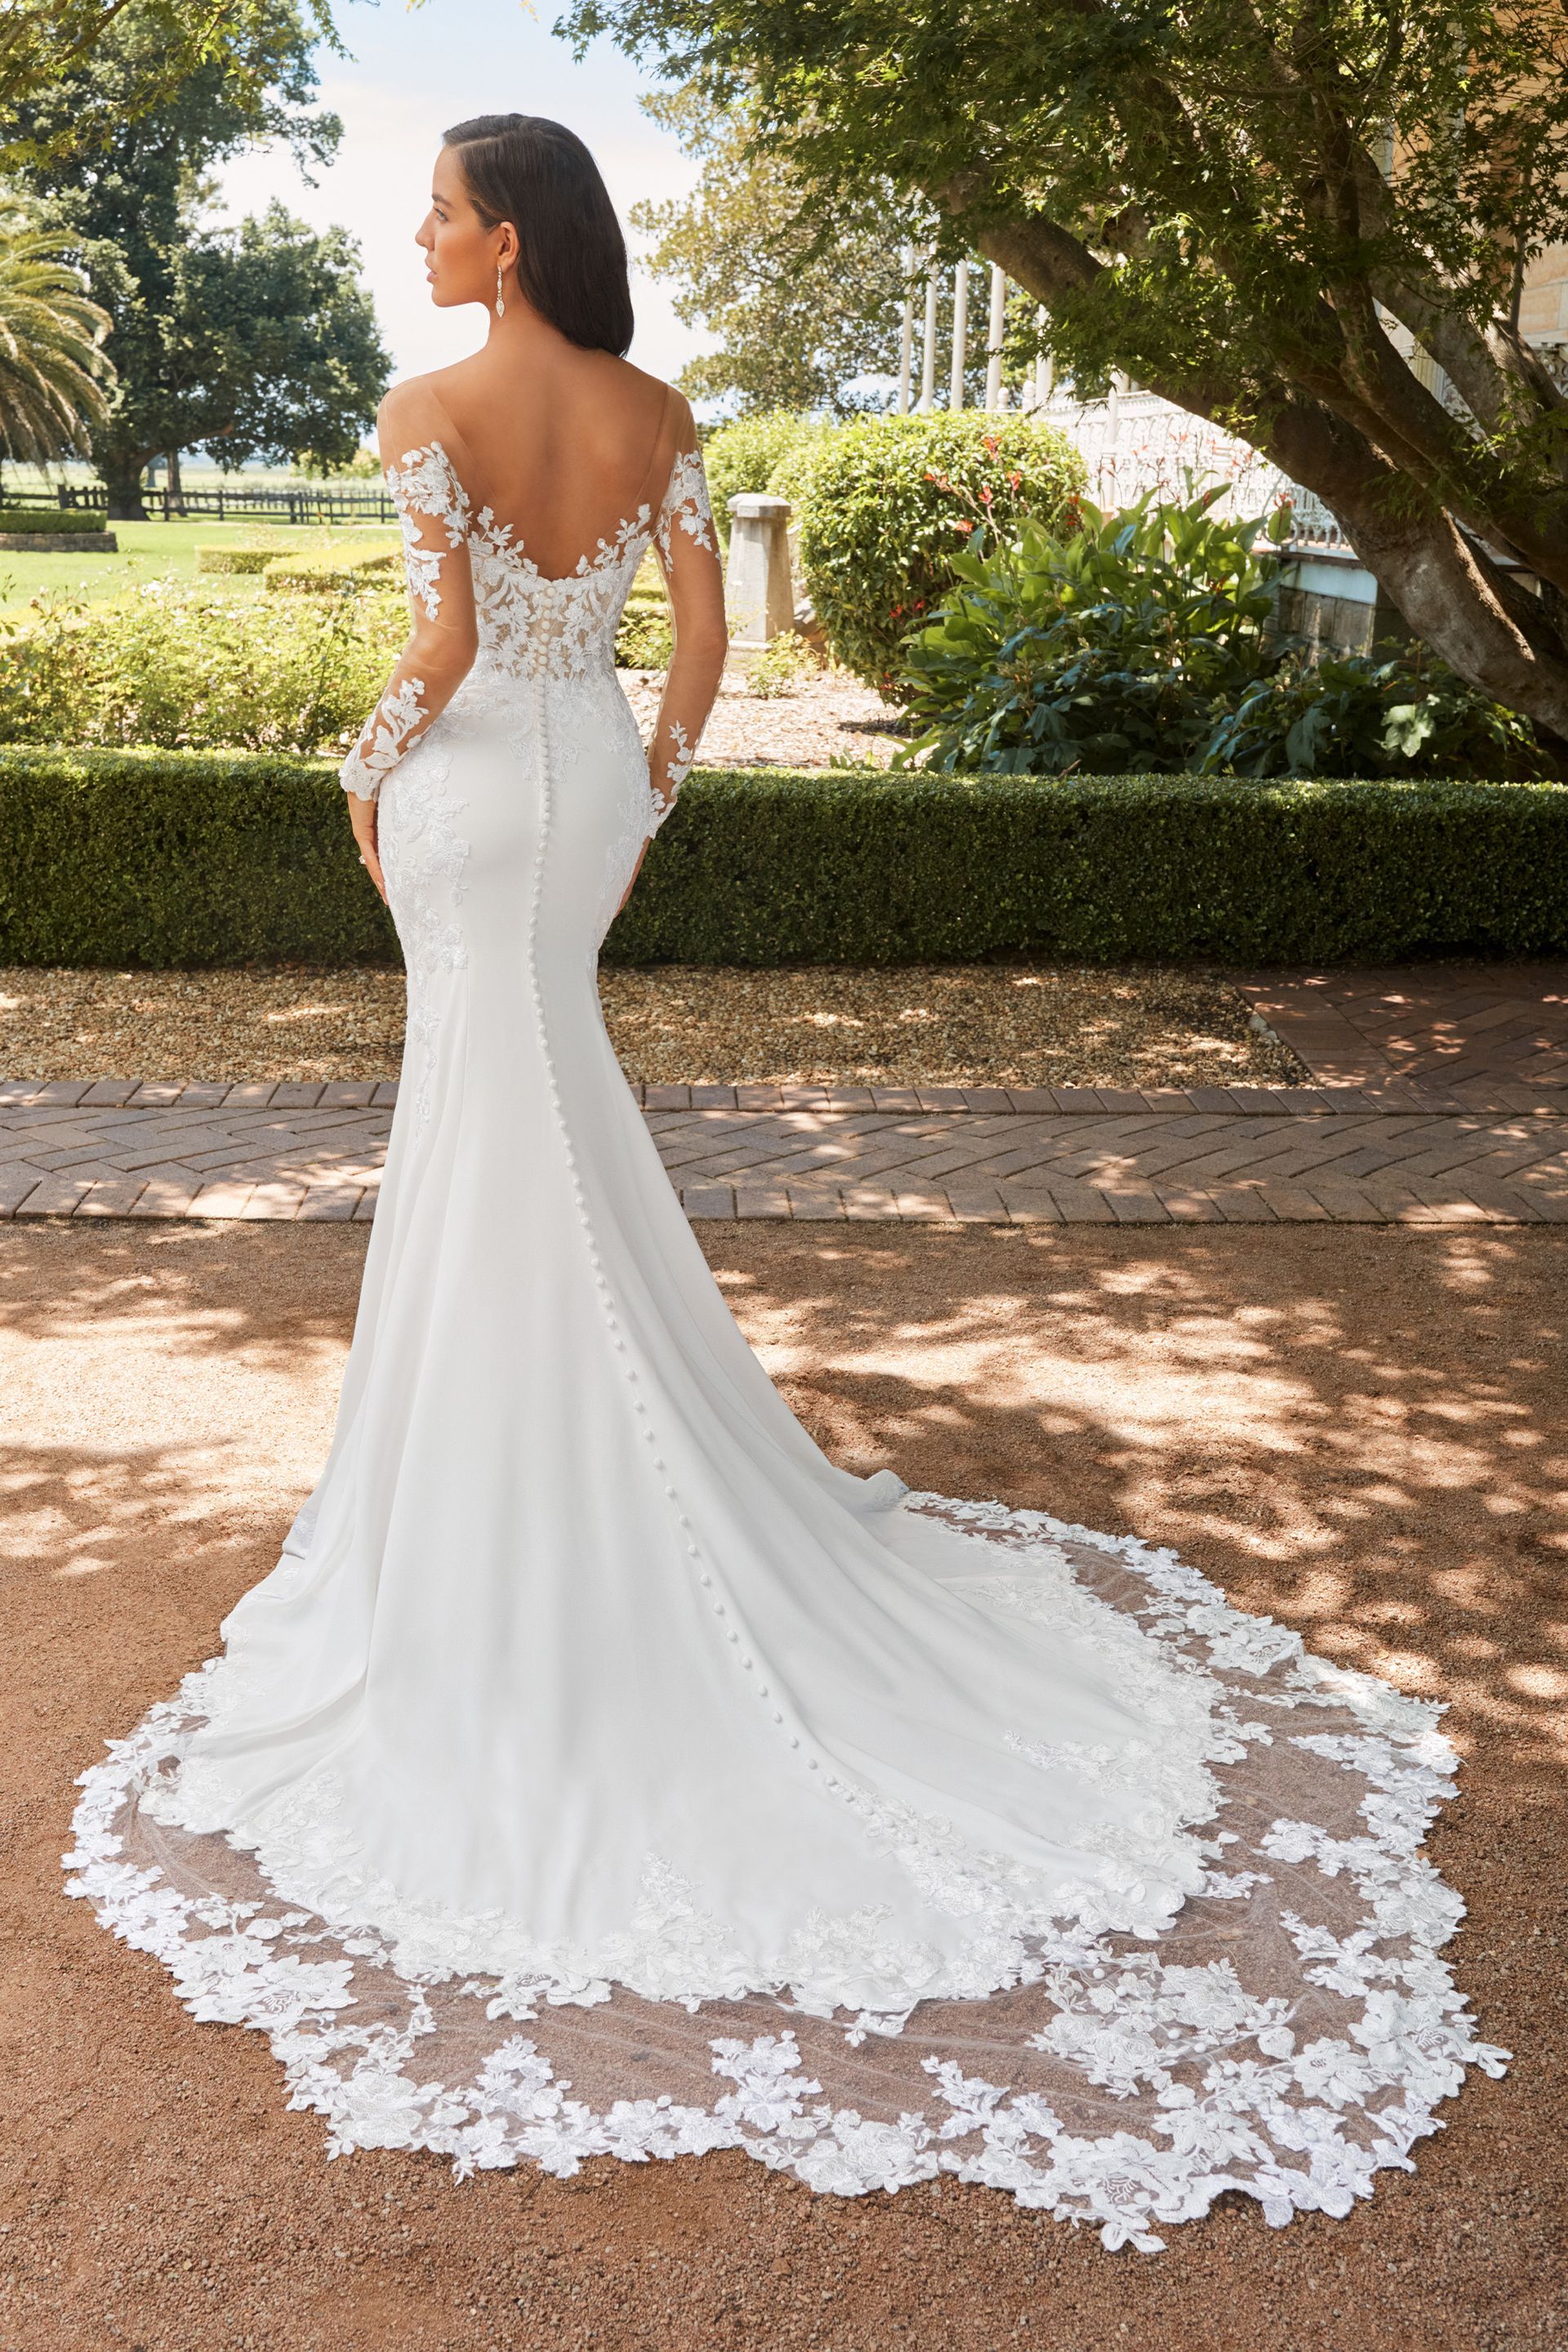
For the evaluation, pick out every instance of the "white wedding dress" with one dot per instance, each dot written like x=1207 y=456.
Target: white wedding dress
x=601 y=1771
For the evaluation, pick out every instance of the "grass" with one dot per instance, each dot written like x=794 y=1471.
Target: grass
x=163 y=551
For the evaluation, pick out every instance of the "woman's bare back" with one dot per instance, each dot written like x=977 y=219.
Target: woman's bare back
x=563 y=446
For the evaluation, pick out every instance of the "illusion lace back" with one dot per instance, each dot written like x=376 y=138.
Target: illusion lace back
x=602 y=1769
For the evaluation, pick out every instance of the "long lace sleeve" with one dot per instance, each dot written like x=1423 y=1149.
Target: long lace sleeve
x=688 y=547
x=433 y=508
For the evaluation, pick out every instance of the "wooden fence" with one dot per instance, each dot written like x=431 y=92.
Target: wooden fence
x=300 y=503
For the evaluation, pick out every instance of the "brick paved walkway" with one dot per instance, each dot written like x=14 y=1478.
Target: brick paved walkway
x=1251 y=1154
x=1442 y=1097
x=1465 y=1028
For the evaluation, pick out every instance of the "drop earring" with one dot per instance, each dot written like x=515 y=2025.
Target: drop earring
x=500 y=300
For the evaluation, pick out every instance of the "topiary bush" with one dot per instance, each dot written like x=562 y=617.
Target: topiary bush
x=321 y=574
x=887 y=502
x=241 y=561
x=172 y=858
x=755 y=453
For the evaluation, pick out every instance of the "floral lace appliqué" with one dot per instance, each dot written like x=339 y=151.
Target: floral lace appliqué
x=1126 y=2085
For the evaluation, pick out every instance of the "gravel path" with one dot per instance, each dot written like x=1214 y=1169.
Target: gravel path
x=1330 y=1423
x=947 y=1024
x=829 y=720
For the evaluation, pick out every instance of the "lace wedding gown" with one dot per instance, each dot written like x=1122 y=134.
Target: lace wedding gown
x=602 y=1769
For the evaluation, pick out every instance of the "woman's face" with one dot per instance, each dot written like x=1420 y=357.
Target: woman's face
x=460 y=253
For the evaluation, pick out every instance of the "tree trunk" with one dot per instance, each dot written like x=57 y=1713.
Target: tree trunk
x=171 y=486
x=122 y=471
x=1496 y=636
x=1501 y=638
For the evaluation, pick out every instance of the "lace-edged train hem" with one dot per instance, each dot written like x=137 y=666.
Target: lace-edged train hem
x=1288 y=2035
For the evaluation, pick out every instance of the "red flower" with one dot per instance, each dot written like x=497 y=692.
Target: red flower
x=985 y=498
x=962 y=522
x=1013 y=482
x=992 y=443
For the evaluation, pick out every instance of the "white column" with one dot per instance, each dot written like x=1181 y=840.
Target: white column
x=928 y=349
x=758 y=598
x=1044 y=367
x=907 y=332
x=960 y=335
x=994 y=337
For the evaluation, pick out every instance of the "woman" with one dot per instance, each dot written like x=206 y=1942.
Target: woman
x=602 y=1769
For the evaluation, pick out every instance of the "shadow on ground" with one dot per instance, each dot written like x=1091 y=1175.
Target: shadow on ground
x=1363 y=1433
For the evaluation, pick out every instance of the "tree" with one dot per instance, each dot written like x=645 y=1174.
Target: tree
x=55 y=380
x=275 y=343
x=131 y=186
x=1307 y=220
x=803 y=303
x=44 y=42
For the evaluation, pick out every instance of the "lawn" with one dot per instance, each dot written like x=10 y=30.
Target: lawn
x=163 y=551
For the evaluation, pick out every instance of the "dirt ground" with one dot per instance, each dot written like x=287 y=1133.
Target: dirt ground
x=1003 y=1024
x=1361 y=1433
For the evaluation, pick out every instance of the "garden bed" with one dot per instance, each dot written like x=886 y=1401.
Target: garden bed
x=955 y=1025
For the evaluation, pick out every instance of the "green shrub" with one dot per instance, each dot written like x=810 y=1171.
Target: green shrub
x=1144 y=641
x=785 y=661
x=887 y=502
x=241 y=561
x=48 y=520
x=170 y=665
x=645 y=638
x=1371 y=714
x=758 y=453
x=1106 y=650
x=329 y=569
x=169 y=858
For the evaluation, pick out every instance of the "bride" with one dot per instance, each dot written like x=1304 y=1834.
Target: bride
x=602 y=1769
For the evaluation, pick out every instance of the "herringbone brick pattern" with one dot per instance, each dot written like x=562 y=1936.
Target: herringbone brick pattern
x=1213 y=1155
x=1457 y=1026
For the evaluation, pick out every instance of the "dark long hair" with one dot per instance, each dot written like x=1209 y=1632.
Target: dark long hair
x=572 y=256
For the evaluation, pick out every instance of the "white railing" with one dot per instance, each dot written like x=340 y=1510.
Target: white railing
x=1132 y=442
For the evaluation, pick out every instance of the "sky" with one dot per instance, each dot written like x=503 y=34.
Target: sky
x=411 y=73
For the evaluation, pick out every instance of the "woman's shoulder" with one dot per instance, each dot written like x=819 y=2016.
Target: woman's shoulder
x=412 y=400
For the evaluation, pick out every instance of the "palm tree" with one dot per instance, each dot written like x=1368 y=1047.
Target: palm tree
x=56 y=379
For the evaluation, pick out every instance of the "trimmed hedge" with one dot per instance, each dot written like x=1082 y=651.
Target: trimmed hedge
x=237 y=562
x=319 y=574
x=43 y=523
x=168 y=858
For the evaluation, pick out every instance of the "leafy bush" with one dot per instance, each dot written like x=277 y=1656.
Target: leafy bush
x=753 y=453
x=170 y=858
x=171 y=666
x=1143 y=640
x=888 y=504
x=781 y=666
x=644 y=639
x=45 y=521
x=1097 y=652
x=1366 y=715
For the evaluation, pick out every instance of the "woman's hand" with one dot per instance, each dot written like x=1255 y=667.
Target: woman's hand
x=362 y=816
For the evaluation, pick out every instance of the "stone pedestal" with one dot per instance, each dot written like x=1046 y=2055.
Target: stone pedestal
x=759 y=602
